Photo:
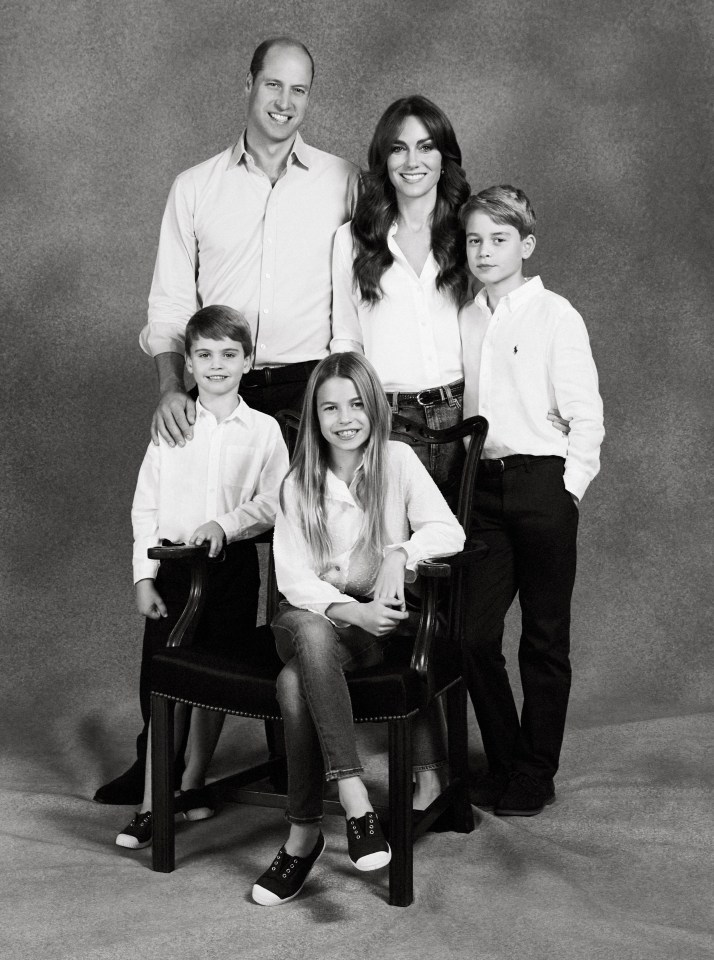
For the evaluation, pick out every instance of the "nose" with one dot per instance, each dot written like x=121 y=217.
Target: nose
x=283 y=99
x=412 y=158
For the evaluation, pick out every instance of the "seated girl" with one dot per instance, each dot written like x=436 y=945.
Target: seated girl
x=357 y=514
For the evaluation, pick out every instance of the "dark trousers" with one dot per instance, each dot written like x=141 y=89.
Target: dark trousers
x=280 y=388
x=529 y=521
x=228 y=619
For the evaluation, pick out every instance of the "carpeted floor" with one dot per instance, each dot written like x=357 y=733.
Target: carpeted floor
x=619 y=868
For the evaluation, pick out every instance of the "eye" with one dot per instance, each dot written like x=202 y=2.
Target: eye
x=397 y=148
x=427 y=147
x=300 y=90
x=357 y=404
x=271 y=83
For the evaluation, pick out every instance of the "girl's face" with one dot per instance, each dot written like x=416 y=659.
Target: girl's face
x=414 y=162
x=341 y=415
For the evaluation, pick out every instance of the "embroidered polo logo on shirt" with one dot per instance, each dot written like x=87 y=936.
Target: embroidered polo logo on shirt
x=515 y=349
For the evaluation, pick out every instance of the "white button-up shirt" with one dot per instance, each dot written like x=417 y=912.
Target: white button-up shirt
x=229 y=237
x=229 y=472
x=531 y=354
x=417 y=519
x=411 y=335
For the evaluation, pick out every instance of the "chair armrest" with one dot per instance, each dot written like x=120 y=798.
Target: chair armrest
x=179 y=551
x=197 y=557
x=440 y=567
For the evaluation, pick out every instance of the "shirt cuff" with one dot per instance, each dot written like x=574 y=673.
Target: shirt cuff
x=576 y=481
x=410 y=574
x=339 y=345
x=145 y=569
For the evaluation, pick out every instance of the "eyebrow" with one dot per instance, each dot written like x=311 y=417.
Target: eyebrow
x=404 y=142
x=351 y=400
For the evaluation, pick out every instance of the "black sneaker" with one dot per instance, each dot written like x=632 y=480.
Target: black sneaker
x=138 y=834
x=286 y=876
x=489 y=788
x=525 y=796
x=366 y=845
x=127 y=788
x=195 y=804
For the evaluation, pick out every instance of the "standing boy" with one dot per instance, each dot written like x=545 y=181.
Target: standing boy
x=222 y=488
x=526 y=351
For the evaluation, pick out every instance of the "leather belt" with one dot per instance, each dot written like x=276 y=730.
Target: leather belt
x=494 y=468
x=429 y=396
x=289 y=373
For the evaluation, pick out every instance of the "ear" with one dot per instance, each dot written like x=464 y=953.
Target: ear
x=189 y=365
x=248 y=82
x=528 y=246
x=247 y=363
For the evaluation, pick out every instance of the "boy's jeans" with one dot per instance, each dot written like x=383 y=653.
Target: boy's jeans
x=316 y=707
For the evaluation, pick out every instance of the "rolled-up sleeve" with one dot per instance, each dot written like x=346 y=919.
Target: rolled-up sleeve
x=173 y=298
x=575 y=381
x=145 y=516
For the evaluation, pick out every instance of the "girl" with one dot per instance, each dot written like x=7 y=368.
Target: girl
x=342 y=535
x=399 y=275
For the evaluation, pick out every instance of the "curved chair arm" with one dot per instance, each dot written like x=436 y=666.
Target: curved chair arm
x=197 y=556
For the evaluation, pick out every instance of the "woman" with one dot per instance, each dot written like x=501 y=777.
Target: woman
x=399 y=277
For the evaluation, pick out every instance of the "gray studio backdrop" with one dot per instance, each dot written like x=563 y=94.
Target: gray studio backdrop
x=598 y=110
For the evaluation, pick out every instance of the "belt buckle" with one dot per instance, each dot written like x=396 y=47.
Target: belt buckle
x=426 y=403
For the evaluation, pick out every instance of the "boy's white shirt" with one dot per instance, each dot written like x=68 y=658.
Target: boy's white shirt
x=530 y=355
x=417 y=519
x=229 y=472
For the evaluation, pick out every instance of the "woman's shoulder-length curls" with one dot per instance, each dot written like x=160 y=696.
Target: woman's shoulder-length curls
x=377 y=209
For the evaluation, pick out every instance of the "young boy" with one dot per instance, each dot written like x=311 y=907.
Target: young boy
x=221 y=488
x=526 y=351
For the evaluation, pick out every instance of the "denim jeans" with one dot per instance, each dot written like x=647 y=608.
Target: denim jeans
x=317 y=711
x=443 y=461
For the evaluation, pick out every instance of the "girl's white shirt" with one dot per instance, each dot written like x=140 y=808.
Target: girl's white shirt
x=410 y=336
x=417 y=518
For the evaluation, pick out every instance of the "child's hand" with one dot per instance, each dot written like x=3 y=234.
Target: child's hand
x=560 y=423
x=214 y=533
x=380 y=617
x=148 y=602
x=389 y=584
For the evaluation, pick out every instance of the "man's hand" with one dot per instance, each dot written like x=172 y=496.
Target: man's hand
x=213 y=533
x=560 y=423
x=148 y=601
x=389 y=584
x=176 y=413
x=174 y=418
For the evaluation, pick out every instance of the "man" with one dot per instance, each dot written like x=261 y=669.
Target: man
x=251 y=228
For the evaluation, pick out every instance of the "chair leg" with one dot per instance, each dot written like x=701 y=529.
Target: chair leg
x=275 y=738
x=162 y=784
x=401 y=878
x=463 y=816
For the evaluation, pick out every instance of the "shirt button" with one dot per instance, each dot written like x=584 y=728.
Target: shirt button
x=267 y=276
x=265 y=310
x=262 y=346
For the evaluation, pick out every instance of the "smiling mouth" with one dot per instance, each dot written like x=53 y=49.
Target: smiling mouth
x=217 y=376
x=346 y=434
x=279 y=117
x=412 y=177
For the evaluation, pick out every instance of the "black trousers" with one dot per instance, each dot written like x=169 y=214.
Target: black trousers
x=530 y=522
x=228 y=619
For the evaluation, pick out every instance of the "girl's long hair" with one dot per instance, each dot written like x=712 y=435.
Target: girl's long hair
x=311 y=459
x=376 y=208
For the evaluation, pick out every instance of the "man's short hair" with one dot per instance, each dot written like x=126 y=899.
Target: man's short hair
x=264 y=48
x=503 y=204
x=218 y=322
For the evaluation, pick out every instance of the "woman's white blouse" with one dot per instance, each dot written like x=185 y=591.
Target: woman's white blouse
x=417 y=518
x=411 y=336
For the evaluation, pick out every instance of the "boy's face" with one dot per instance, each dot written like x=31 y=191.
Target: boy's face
x=217 y=366
x=495 y=251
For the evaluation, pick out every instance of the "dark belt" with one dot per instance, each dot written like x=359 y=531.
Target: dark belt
x=494 y=468
x=427 y=397
x=289 y=373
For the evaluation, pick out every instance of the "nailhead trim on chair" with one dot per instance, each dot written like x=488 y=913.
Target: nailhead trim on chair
x=269 y=716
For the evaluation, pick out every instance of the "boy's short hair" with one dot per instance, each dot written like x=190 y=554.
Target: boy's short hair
x=219 y=323
x=503 y=204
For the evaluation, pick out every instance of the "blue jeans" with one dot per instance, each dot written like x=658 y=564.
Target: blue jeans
x=444 y=461
x=317 y=711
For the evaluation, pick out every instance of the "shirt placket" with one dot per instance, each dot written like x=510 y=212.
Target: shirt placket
x=266 y=304
x=213 y=471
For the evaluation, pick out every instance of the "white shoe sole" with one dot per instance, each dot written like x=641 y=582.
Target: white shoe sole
x=199 y=813
x=131 y=843
x=266 y=898
x=373 y=861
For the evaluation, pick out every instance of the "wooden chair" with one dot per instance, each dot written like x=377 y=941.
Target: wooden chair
x=414 y=673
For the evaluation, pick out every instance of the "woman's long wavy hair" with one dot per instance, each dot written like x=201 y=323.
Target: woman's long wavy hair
x=376 y=208
x=311 y=459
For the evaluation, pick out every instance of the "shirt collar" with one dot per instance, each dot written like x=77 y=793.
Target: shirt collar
x=531 y=288
x=337 y=489
x=300 y=152
x=399 y=255
x=242 y=412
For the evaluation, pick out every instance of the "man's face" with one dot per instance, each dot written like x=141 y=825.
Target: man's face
x=278 y=96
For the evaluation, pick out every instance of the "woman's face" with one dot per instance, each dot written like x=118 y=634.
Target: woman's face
x=414 y=163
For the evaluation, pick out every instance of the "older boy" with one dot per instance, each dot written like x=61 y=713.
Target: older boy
x=526 y=351
x=220 y=488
